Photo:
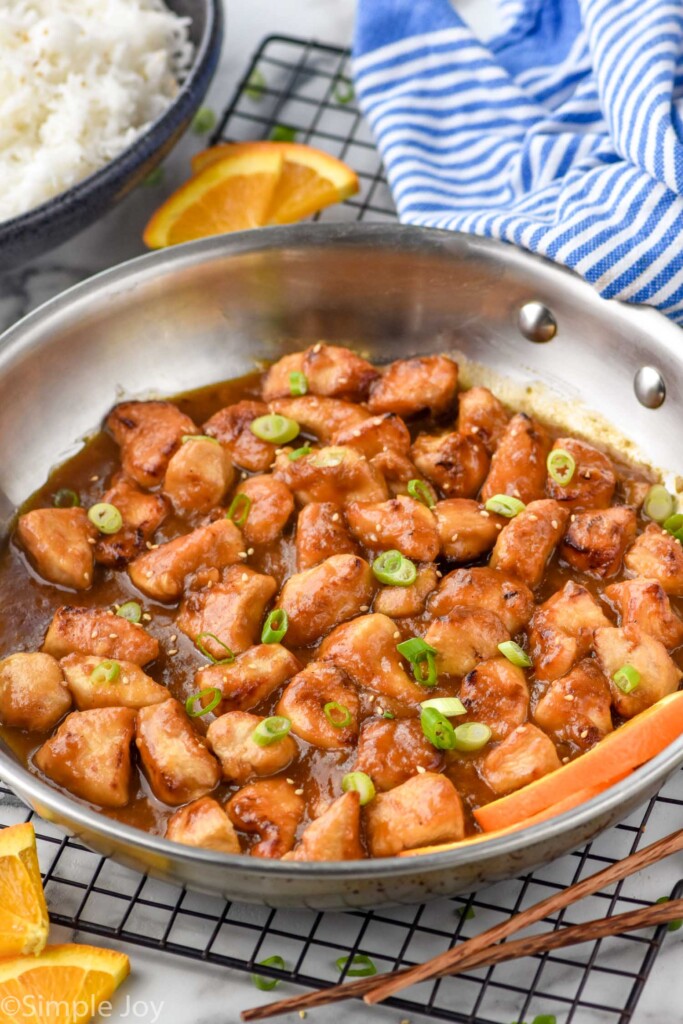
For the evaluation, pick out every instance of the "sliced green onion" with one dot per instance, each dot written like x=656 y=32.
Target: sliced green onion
x=298 y=384
x=448 y=706
x=282 y=133
x=299 y=453
x=337 y=715
x=274 y=428
x=415 y=649
x=198 y=437
x=471 y=736
x=327 y=458
x=65 y=498
x=627 y=678
x=131 y=611
x=437 y=729
x=268 y=984
x=514 y=653
x=419 y=490
x=388 y=714
x=105 y=517
x=106 y=672
x=673 y=524
x=275 y=627
x=561 y=466
x=255 y=86
x=424 y=670
x=343 y=90
x=392 y=568
x=239 y=509
x=203 y=121
x=545 y=1018
x=673 y=926
x=229 y=656
x=505 y=505
x=361 y=966
x=155 y=177
x=216 y=697
x=270 y=730
x=659 y=504
x=466 y=913
x=361 y=783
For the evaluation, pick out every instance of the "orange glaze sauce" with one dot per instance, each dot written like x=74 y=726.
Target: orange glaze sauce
x=317 y=772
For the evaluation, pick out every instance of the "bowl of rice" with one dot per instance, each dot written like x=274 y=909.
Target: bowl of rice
x=93 y=95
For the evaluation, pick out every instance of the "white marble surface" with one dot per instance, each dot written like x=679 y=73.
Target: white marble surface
x=171 y=989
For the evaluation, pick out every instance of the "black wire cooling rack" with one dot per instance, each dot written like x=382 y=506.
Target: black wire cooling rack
x=302 y=87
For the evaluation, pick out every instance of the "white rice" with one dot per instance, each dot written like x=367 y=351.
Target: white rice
x=79 y=81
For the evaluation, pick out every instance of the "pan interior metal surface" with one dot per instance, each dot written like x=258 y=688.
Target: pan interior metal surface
x=211 y=310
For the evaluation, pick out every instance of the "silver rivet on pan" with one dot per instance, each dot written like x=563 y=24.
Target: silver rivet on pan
x=536 y=322
x=649 y=387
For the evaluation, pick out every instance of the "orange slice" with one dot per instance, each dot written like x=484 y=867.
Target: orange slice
x=23 y=913
x=550 y=812
x=310 y=179
x=65 y=985
x=228 y=195
x=629 y=746
x=247 y=185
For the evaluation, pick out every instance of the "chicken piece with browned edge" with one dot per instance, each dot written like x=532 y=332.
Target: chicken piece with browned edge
x=58 y=544
x=100 y=633
x=496 y=694
x=402 y=524
x=229 y=614
x=176 y=762
x=526 y=754
x=321 y=598
x=518 y=466
x=203 y=823
x=33 y=693
x=112 y=684
x=410 y=386
x=596 y=540
x=322 y=705
x=527 y=543
x=562 y=630
x=644 y=603
x=486 y=589
x=650 y=672
x=335 y=835
x=90 y=755
x=321 y=532
x=199 y=475
x=251 y=678
x=391 y=751
x=270 y=809
x=424 y=811
x=576 y=708
x=148 y=434
x=231 y=737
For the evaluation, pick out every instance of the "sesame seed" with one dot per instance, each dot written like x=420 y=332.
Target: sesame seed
x=302 y=1014
x=373 y=537
x=112 y=636
x=455 y=536
x=583 y=734
x=364 y=607
x=250 y=551
x=572 y=518
x=242 y=554
x=94 y=478
x=290 y=781
x=335 y=517
x=499 y=526
x=150 y=546
x=421 y=770
x=484 y=513
x=298 y=792
x=86 y=576
x=279 y=451
x=439 y=573
x=371 y=697
x=553 y=523
x=91 y=540
x=569 y=696
x=564 y=760
x=397 y=635
x=245 y=577
x=174 y=637
x=380 y=711
x=317 y=347
x=147 y=617
x=149 y=574
x=243 y=475
x=533 y=517
x=174 y=650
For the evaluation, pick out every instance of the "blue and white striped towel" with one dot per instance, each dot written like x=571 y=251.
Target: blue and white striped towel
x=564 y=134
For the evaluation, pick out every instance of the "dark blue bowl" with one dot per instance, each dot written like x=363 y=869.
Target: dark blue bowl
x=53 y=222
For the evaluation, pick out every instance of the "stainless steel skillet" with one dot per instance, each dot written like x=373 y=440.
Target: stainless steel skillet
x=206 y=311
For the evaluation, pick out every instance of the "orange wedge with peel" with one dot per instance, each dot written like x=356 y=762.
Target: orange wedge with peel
x=23 y=913
x=553 y=811
x=228 y=195
x=64 y=985
x=632 y=744
x=250 y=184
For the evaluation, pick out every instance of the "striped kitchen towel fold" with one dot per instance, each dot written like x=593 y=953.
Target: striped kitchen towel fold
x=563 y=134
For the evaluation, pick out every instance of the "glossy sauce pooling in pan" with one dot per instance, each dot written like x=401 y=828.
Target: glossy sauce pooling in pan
x=361 y=508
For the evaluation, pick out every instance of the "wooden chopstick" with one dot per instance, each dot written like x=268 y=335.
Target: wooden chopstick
x=462 y=957
x=533 y=945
